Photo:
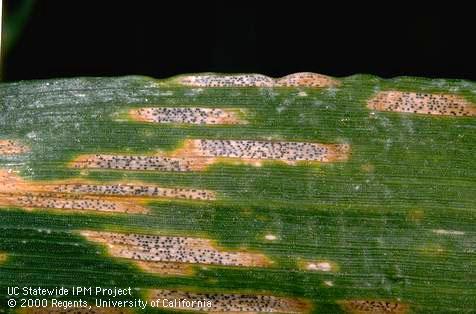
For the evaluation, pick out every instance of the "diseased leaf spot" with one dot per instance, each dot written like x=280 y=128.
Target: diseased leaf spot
x=289 y=152
x=243 y=303
x=303 y=79
x=373 y=306
x=237 y=80
x=150 y=249
x=129 y=162
x=318 y=265
x=96 y=204
x=198 y=154
x=270 y=237
x=307 y=79
x=186 y=115
x=135 y=190
x=9 y=147
x=422 y=103
x=80 y=195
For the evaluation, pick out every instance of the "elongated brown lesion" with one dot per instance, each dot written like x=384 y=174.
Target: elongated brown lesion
x=65 y=202
x=186 y=115
x=133 y=190
x=199 y=153
x=302 y=79
x=373 y=306
x=422 y=103
x=79 y=195
x=211 y=302
x=132 y=162
x=10 y=147
x=168 y=254
x=227 y=80
x=307 y=79
x=288 y=152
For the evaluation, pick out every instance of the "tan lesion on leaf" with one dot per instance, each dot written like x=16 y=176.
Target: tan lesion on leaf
x=373 y=306
x=302 y=79
x=307 y=79
x=10 y=147
x=136 y=190
x=198 y=154
x=320 y=265
x=227 y=80
x=16 y=192
x=256 y=151
x=232 y=302
x=166 y=268
x=132 y=162
x=82 y=195
x=422 y=103
x=75 y=310
x=31 y=201
x=186 y=115
x=169 y=255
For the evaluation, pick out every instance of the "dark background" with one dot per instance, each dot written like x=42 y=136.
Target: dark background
x=165 y=38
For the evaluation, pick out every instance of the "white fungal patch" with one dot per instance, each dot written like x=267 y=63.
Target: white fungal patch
x=185 y=115
x=233 y=303
x=32 y=135
x=302 y=94
x=319 y=266
x=9 y=147
x=448 y=232
x=151 y=248
x=270 y=237
x=422 y=103
x=329 y=283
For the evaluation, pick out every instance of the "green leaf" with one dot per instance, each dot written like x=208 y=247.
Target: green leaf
x=300 y=194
